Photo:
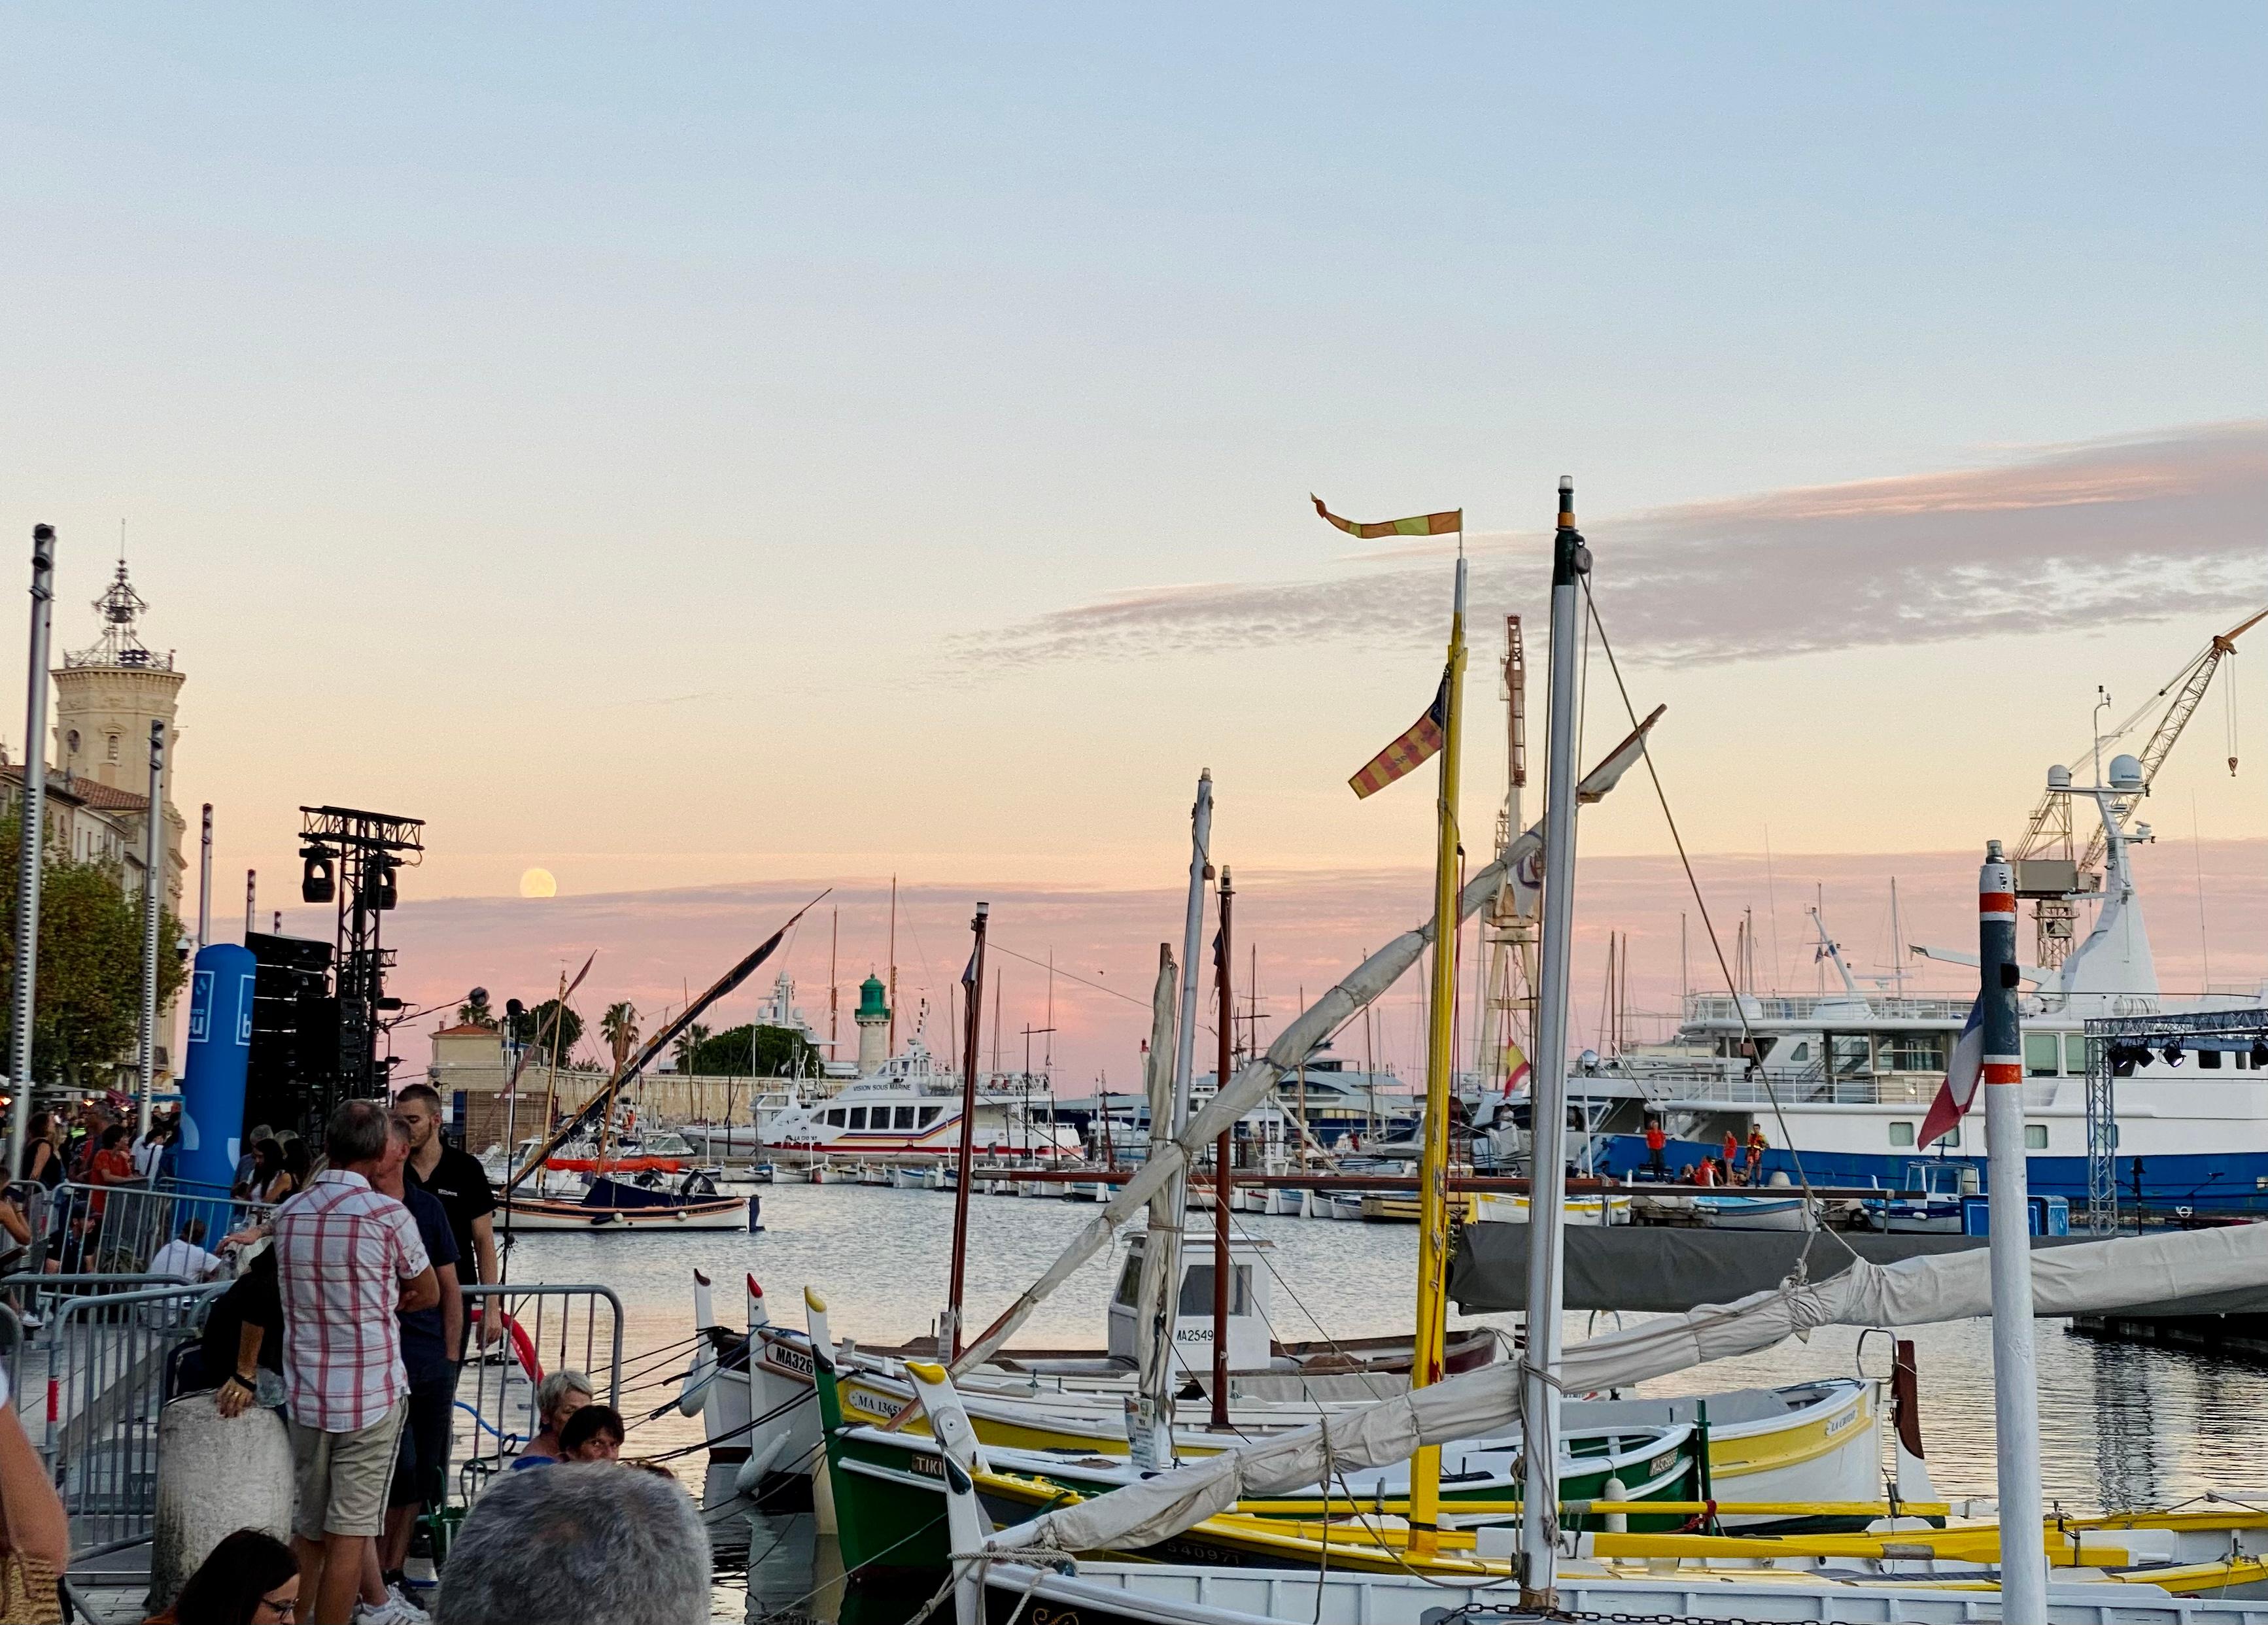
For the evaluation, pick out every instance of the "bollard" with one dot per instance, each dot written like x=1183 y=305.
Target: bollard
x=216 y=1475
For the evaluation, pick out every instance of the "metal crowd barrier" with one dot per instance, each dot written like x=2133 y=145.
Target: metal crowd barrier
x=97 y=1372
x=547 y=1329
x=116 y=1229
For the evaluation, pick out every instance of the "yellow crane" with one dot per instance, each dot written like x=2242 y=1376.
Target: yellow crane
x=2046 y=871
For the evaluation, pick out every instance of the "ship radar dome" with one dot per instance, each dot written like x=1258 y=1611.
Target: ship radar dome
x=2126 y=773
x=2058 y=777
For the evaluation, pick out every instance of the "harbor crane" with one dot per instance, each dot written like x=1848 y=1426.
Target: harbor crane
x=2046 y=871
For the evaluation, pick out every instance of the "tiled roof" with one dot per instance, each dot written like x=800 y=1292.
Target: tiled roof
x=468 y=1029
x=86 y=793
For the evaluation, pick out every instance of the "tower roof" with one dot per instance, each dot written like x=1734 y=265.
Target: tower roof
x=871 y=996
x=120 y=608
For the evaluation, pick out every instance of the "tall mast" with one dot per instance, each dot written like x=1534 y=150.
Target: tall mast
x=834 y=1002
x=950 y=1336
x=30 y=846
x=894 y=967
x=1220 y=1179
x=1426 y=1364
x=1164 y=1239
x=1546 y=1182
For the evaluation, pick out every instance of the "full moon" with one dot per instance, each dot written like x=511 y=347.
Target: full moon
x=538 y=883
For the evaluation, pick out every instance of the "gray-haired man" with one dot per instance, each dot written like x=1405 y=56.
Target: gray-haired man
x=592 y=1544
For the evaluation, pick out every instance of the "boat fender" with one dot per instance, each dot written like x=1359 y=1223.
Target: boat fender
x=752 y=1471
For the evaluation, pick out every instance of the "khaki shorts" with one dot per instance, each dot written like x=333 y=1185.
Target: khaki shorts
x=341 y=1479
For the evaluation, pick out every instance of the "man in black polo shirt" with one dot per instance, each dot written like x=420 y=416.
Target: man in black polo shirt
x=456 y=1180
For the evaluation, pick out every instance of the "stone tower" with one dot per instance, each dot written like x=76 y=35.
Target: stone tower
x=873 y=1019
x=105 y=698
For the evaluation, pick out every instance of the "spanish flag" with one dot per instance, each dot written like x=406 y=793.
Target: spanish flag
x=1412 y=750
x=1421 y=524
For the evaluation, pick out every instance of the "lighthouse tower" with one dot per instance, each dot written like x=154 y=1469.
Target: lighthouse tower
x=873 y=1019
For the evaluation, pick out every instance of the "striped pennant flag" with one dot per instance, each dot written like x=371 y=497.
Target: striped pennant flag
x=1420 y=525
x=1412 y=750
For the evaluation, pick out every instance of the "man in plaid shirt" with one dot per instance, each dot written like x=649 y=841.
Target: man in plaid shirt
x=347 y=1260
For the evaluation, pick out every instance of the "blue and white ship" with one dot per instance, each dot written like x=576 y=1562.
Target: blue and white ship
x=1853 y=1070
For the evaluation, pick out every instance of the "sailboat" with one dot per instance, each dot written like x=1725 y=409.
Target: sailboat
x=2145 y=1575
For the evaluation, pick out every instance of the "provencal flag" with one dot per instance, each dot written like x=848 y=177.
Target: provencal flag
x=1411 y=751
x=1422 y=524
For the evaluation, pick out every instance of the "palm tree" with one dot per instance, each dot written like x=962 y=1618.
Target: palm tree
x=474 y=1011
x=689 y=1045
x=619 y=1027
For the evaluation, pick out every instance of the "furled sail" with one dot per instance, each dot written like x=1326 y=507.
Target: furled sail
x=2090 y=1277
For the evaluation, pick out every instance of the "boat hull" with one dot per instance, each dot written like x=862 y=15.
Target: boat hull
x=720 y=1213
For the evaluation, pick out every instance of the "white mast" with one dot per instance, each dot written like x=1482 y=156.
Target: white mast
x=1547 y=1181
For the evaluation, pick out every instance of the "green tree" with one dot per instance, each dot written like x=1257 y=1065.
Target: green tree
x=687 y=1051
x=87 y=1010
x=476 y=1012
x=619 y=1027
x=566 y=1034
x=781 y=1052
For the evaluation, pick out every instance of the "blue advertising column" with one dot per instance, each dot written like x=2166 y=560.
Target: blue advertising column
x=220 y=1045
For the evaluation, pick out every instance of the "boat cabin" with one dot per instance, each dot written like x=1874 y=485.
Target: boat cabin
x=1250 y=1348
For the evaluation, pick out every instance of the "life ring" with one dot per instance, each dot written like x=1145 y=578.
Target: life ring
x=523 y=1346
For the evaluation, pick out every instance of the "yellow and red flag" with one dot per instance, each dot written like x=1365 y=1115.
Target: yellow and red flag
x=1419 y=524
x=1413 y=749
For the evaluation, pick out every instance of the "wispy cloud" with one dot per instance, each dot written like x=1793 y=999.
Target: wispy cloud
x=2146 y=528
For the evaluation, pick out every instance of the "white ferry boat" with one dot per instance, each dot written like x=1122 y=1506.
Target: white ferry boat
x=912 y=1106
x=1853 y=1072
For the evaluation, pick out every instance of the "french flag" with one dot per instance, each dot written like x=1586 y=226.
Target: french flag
x=1958 y=1093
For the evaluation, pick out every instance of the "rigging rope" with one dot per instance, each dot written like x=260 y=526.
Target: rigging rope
x=1780 y=1117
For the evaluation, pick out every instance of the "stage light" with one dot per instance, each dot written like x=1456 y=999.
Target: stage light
x=2259 y=1056
x=318 y=876
x=2171 y=1055
x=2122 y=1059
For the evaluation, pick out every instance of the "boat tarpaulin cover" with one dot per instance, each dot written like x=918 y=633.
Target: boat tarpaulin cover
x=1661 y=1270
x=2080 y=1279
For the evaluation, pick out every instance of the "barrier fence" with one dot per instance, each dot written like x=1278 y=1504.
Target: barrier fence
x=118 y=1228
x=539 y=1329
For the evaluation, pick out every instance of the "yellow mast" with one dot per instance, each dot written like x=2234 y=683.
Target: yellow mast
x=1433 y=1169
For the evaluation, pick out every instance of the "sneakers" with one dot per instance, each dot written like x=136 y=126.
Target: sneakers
x=395 y=1610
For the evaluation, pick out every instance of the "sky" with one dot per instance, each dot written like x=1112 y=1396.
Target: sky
x=731 y=451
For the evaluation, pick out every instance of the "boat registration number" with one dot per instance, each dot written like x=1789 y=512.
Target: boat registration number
x=1836 y=1424
x=1661 y=1464
x=788 y=1359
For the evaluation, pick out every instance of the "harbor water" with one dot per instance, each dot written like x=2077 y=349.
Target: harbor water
x=2122 y=1426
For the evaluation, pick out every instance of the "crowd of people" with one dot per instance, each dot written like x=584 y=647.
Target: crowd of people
x=348 y=1316
x=1727 y=1167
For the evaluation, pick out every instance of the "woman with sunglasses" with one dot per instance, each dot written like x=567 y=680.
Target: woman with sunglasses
x=250 y=1578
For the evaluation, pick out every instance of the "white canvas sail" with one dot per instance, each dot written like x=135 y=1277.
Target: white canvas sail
x=2089 y=1277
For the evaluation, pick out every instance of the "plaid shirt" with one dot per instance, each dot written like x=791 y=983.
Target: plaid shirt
x=342 y=1253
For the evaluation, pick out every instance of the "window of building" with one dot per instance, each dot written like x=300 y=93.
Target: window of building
x=835 y=1118
x=70 y=742
x=2043 y=1051
x=2074 y=1055
x=858 y=1118
x=2036 y=1136
x=112 y=746
x=1902 y=1134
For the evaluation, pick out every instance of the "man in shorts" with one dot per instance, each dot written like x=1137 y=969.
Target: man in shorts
x=347 y=1260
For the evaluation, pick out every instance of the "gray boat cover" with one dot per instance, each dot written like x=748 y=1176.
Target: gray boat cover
x=2082 y=1278
x=1667 y=1269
